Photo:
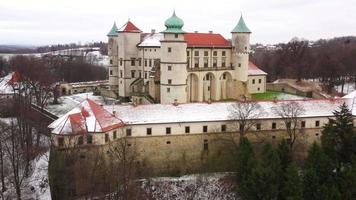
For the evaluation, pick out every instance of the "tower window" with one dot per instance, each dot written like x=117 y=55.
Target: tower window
x=176 y=35
x=128 y=132
x=303 y=124
x=169 y=81
x=80 y=140
x=169 y=68
x=259 y=80
x=120 y=73
x=168 y=142
x=239 y=64
x=145 y=62
x=196 y=62
x=106 y=138
x=60 y=142
x=169 y=49
x=187 y=129
x=120 y=61
x=89 y=139
x=114 y=134
x=132 y=73
x=110 y=61
x=317 y=123
x=168 y=90
x=145 y=75
x=258 y=126
x=168 y=130
x=223 y=128
x=149 y=131
x=205 y=129
x=274 y=125
x=110 y=72
x=132 y=61
x=253 y=81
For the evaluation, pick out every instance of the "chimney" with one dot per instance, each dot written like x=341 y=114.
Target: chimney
x=195 y=31
x=210 y=32
x=153 y=31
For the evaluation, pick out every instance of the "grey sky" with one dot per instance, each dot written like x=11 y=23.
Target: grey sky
x=38 y=22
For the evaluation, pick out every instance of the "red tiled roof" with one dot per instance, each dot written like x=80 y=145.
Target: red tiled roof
x=254 y=70
x=16 y=76
x=77 y=122
x=129 y=27
x=206 y=40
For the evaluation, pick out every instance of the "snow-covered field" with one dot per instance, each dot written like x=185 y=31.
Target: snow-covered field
x=348 y=88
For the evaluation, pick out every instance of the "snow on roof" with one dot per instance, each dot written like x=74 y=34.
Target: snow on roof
x=253 y=70
x=200 y=112
x=5 y=87
x=206 y=40
x=87 y=117
x=152 y=40
x=88 y=83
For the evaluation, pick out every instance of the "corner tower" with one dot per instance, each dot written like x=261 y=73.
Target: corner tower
x=241 y=49
x=173 y=77
x=112 y=53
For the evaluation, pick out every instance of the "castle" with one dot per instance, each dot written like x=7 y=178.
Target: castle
x=174 y=66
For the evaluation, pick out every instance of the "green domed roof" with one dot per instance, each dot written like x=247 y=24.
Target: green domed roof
x=174 y=24
x=113 y=31
x=241 y=27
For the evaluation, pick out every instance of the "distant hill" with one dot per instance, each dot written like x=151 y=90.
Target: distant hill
x=17 y=48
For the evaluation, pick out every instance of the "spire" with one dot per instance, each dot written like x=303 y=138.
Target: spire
x=129 y=27
x=113 y=31
x=241 y=27
x=174 y=24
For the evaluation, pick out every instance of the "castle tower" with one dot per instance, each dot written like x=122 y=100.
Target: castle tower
x=128 y=57
x=241 y=48
x=173 y=82
x=112 y=53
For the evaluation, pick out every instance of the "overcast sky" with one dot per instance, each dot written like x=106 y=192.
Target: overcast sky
x=39 y=22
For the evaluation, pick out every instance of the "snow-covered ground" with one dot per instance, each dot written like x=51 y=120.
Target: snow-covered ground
x=198 y=187
x=285 y=96
x=348 y=88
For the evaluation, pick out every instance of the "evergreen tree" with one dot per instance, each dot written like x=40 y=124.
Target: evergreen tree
x=319 y=173
x=338 y=138
x=293 y=185
x=347 y=182
x=246 y=159
x=284 y=154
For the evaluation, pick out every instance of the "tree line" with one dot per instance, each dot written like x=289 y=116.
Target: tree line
x=332 y=61
x=329 y=171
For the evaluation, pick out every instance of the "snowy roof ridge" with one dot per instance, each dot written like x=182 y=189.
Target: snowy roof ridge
x=254 y=70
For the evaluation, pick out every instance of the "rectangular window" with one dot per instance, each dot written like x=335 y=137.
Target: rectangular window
x=106 y=138
x=223 y=53
x=132 y=61
x=110 y=61
x=139 y=62
x=114 y=135
x=145 y=62
x=80 y=140
x=196 y=53
x=61 y=142
x=205 y=129
x=110 y=72
x=132 y=73
x=120 y=73
x=188 y=62
x=215 y=53
x=187 y=53
x=302 y=124
x=274 y=125
x=168 y=130
x=215 y=62
x=259 y=80
x=149 y=131
x=176 y=35
x=317 y=123
x=168 y=90
x=258 y=126
x=223 y=128
x=150 y=62
x=187 y=129
x=223 y=62
x=206 y=53
x=239 y=64
x=128 y=132
x=139 y=73
x=120 y=61
x=146 y=75
x=206 y=62
x=169 y=81
x=253 y=81
x=89 y=139
x=169 y=68
x=196 y=62
x=169 y=49
x=206 y=145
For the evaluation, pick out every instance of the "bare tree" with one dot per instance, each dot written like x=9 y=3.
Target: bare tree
x=290 y=113
x=245 y=115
